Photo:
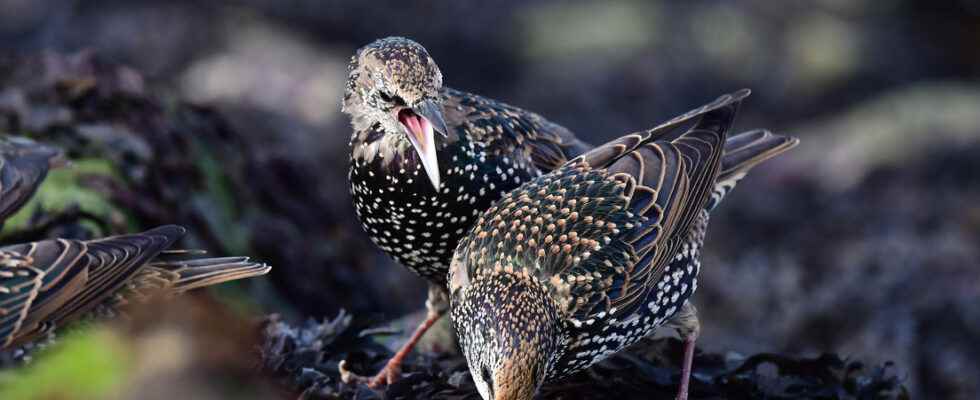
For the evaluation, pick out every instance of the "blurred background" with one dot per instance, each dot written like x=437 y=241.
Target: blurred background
x=864 y=240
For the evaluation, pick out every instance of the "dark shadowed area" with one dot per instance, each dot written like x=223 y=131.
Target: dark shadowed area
x=224 y=116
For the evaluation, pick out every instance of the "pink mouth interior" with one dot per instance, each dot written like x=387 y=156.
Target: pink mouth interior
x=415 y=123
x=410 y=120
x=420 y=134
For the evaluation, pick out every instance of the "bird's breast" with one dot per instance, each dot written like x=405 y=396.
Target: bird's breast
x=411 y=220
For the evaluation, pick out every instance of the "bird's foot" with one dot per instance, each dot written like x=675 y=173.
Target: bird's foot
x=688 y=326
x=392 y=370
x=686 y=370
x=388 y=375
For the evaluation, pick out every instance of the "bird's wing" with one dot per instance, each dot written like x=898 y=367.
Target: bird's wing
x=146 y=283
x=23 y=166
x=667 y=179
x=742 y=152
x=173 y=272
x=602 y=227
x=19 y=284
x=110 y=262
x=508 y=131
x=55 y=277
x=75 y=276
x=202 y=272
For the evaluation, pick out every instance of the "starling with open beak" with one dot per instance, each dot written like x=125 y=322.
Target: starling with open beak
x=427 y=159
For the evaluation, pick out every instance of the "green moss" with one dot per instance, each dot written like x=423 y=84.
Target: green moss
x=85 y=364
x=63 y=188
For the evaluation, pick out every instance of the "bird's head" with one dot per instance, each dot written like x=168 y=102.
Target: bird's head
x=509 y=328
x=393 y=84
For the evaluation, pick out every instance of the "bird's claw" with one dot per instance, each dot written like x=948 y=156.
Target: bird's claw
x=388 y=375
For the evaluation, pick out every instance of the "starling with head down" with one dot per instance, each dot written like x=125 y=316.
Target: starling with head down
x=47 y=284
x=426 y=160
x=579 y=263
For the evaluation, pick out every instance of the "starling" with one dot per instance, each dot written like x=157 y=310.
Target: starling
x=583 y=261
x=417 y=194
x=48 y=283
x=23 y=166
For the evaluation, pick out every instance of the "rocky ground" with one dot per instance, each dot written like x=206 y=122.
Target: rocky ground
x=306 y=357
x=861 y=242
x=103 y=116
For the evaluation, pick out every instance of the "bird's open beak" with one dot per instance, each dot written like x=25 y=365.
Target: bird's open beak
x=432 y=111
x=420 y=124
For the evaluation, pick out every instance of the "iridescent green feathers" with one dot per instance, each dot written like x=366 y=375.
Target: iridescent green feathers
x=602 y=228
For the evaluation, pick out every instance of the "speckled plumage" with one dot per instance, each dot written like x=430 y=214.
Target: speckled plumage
x=488 y=149
x=46 y=284
x=491 y=149
x=420 y=227
x=23 y=166
x=607 y=246
x=417 y=209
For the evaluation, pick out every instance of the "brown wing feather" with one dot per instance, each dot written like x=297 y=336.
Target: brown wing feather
x=742 y=152
x=747 y=149
x=670 y=178
x=74 y=276
x=203 y=272
x=510 y=131
x=172 y=273
x=62 y=277
x=48 y=283
x=19 y=286
x=553 y=145
x=111 y=262
x=602 y=227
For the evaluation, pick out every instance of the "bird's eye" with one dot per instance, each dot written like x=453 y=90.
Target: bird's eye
x=387 y=97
